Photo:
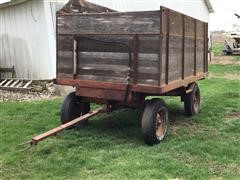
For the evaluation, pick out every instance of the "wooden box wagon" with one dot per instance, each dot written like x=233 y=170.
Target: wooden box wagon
x=120 y=58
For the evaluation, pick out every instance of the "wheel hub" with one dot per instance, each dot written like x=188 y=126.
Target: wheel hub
x=160 y=125
x=196 y=102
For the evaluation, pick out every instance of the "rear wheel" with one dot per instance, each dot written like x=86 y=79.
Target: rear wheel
x=154 y=121
x=192 y=101
x=73 y=107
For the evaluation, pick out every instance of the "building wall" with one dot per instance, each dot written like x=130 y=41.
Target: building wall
x=24 y=40
x=193 y=8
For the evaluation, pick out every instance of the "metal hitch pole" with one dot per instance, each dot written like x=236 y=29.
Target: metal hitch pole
x=60 y=128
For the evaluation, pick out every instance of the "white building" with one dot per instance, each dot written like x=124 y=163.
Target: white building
x=27 y=29
x=199 y=9
x=27 y=37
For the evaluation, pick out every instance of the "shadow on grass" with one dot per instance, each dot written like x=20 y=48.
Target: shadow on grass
x=120 y=127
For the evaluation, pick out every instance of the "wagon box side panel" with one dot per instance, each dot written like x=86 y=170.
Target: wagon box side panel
x=183 y=50
x=106 y=46
x=153 y=52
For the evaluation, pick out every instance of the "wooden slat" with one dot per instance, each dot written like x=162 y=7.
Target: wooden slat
x=183 y=45
x=135 y=59
x=206 y=48
x=189 y=57
x=195 y=48
x=199 y=56
x=103 y=67
x=167 y=47
x=121 y=73
x=20 y=84
x=27 y=84
x=3 y=82
x=175 y=58
x=112 y=59
x=189 y=26
x=199 y=31
x=8 y=83
x=13 y=84
x=147 y=44
x=102 y=93
x=62 y=75
x=133 y=22
x=159 y=65
x=102 y=78
x=175 y=23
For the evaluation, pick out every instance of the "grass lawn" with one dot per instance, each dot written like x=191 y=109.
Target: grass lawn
x=206 y=146
x=217 y=49
x=237 y=58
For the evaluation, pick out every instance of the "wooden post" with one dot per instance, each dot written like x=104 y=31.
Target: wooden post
x=167 y=48
x=183 y=46
x=135 y=60
x=195 y=47
x=160 y=49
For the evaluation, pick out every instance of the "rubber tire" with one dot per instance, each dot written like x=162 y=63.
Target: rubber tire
x=149 y=121
x=189 y=101
x=73 y=107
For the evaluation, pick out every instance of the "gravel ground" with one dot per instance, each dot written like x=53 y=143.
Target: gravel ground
x=25 y=96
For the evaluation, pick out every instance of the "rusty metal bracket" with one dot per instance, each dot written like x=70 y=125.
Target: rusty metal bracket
x=35 y=140
x=190 y=87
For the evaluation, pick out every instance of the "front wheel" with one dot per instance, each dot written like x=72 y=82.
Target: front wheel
x=154 y=121
x=73 y=107
x=192 y=101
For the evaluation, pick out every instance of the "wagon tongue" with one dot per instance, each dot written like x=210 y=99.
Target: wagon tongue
x=62 y=127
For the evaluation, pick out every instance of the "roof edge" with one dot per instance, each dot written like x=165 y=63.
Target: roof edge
x=209 y=6
x=12 y=3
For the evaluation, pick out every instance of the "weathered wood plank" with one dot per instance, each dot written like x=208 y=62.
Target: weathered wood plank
x=175 y=24
x=99 y=72
x=129 y=22
x=103 y=67
x=189 y=57
x=200 y=56
x=189 y=26
x=64 y=75
x=175 y=58
x=65 y=59
x=147 y=44
x=102 y=78
x=199 y=32
x=65 y=43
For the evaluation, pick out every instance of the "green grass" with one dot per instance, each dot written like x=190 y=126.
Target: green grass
x=217 y=49
x=205 y=146
x=237 y=58
x=224 y=69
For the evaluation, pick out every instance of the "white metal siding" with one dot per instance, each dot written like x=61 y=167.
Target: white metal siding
x=24 y=41
x=194 y=8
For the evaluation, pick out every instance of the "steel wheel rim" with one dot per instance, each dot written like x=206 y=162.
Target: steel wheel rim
x=196 y=102
x=160 y=125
